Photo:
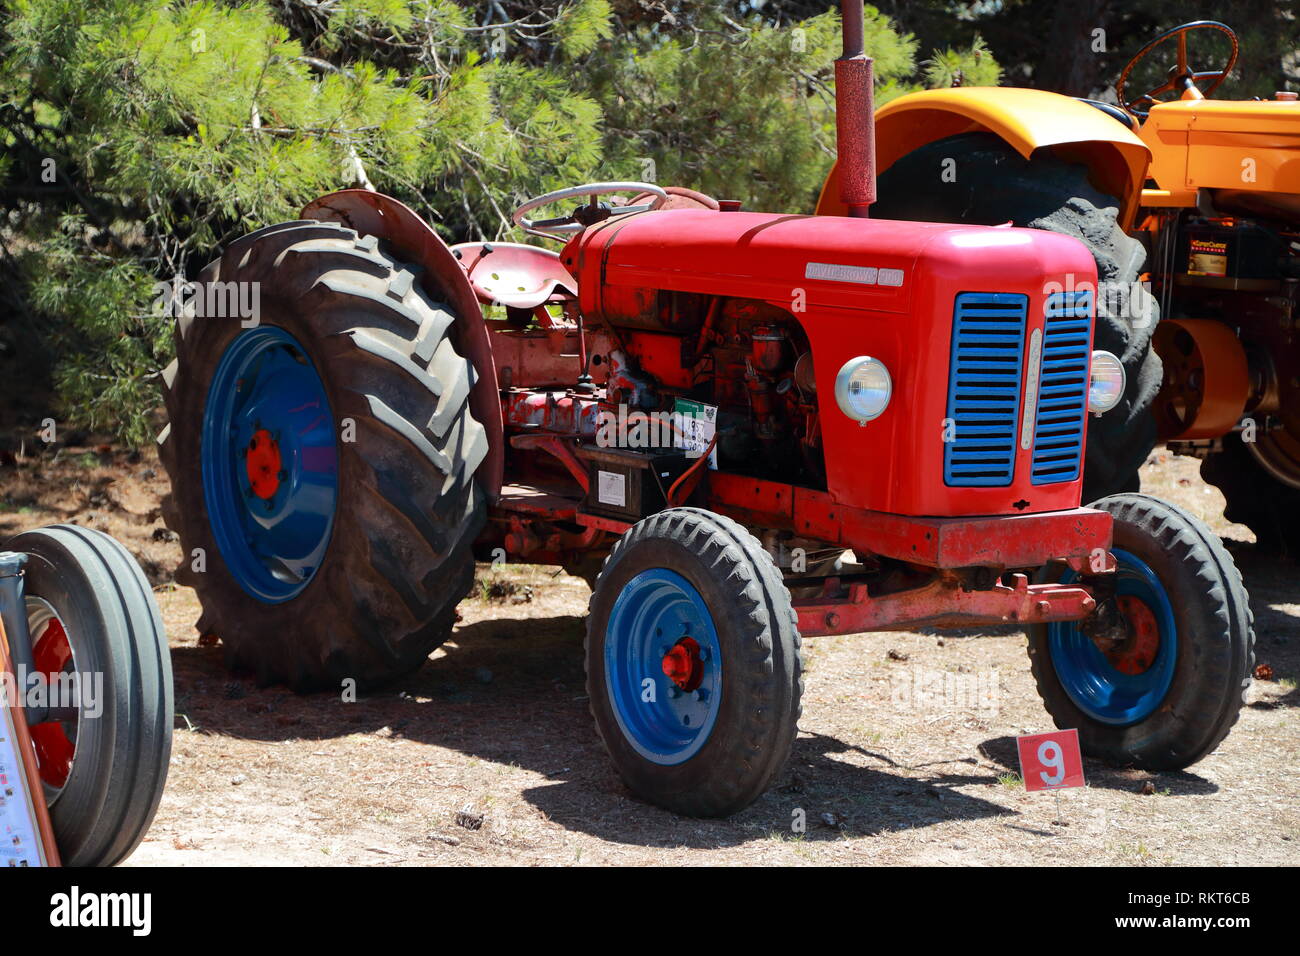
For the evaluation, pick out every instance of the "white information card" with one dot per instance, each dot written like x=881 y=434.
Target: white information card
x=20 y=823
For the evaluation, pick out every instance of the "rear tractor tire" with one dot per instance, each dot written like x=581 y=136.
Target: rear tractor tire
x=693 y=663
x=323 y=461
x=1262 y=491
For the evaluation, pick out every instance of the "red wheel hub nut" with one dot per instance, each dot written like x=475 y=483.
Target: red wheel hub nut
x=1138 y=653
x=682 y=664
x=262 y=464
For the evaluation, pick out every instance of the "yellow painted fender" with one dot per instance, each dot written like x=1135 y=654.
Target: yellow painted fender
x=1027 y=120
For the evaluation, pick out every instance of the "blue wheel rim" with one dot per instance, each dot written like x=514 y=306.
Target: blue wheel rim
x=266 y=385
x=1105 y=694
x=663 y=723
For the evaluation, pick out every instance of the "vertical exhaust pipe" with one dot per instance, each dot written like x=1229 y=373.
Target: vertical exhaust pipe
x=855 y=120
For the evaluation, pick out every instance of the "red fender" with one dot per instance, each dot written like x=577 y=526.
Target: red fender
x=374 y=214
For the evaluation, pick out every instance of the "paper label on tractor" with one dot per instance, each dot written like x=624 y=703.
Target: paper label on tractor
x=611 y=489
x=20 y=840
x=696 y=425
x=1206 y=257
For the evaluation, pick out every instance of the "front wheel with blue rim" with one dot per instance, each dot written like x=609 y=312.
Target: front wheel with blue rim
x=1164 y=690
x=322 y=456
x=693 y=663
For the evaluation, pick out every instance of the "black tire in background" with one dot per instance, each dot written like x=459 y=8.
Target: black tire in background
x=743 y=590
x=119 y=769
x=408 y=505
x=1215 y=643
x=1255 y=498
x=994 y=184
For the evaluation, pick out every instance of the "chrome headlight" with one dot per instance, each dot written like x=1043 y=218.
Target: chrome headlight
x=1106 y=382
x=863 y=388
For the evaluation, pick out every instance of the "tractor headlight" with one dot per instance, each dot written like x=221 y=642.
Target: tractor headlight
x=1106 y=385
x=863 y=388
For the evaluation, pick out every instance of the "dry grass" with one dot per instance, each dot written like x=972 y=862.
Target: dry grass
x=488 y=755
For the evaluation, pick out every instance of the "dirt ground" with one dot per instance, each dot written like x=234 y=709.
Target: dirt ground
x=488 y=755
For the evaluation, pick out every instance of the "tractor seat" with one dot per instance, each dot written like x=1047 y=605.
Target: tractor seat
x=515 y=275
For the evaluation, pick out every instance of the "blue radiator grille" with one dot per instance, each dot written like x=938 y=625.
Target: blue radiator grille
x=988 y=347
x=1063 y=391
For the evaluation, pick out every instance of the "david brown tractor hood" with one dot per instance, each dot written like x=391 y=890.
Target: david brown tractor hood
x=838 y=262
x=857 y=287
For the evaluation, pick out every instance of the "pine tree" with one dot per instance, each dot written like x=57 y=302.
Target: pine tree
x=140 y=136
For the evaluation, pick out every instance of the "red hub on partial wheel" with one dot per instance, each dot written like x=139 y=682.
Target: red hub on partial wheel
x=1136 y=654
x=54 y=746
x=262 y=464
x=682 y=664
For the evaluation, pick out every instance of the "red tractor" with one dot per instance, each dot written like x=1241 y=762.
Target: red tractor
x=740 y=427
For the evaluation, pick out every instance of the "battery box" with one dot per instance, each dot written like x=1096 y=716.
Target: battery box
x=1228 y=249
x=628 y=485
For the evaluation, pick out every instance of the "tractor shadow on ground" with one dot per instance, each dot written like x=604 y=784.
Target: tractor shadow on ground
x=1101 y=776
x=821 y=797
x=512 y=692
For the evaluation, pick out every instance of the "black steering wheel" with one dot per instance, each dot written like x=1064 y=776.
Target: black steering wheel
x=1181 y=76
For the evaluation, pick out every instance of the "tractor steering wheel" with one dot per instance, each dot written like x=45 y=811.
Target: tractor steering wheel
x=589 y=214
x=1181 y=75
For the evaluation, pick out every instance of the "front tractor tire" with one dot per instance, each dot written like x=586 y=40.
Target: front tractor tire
x=1169 y=692
x=90 y=612
x=323 y=461
x=693 y=663
x=994 y=184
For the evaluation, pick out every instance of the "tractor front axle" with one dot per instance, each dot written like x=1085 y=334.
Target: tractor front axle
x=943 y=603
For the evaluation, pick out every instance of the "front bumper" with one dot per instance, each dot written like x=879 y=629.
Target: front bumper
x=1081 y=537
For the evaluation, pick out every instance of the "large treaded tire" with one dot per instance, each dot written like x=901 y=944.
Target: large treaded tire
x=1255 y=498
x=995 y=184
x=119 y=769
x=761 y=652
x=1215 y=643
x=408 y=506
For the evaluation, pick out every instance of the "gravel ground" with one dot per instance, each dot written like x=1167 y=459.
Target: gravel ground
x=488 y=756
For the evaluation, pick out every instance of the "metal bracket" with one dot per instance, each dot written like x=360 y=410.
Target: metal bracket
x=13 y=612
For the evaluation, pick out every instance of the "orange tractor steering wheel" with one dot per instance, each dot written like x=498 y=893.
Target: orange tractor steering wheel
x=1181 y=75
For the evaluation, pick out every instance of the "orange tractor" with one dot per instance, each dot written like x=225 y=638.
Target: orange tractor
x=1191 y=208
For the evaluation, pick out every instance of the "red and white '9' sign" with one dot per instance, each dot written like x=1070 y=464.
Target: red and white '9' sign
x=1050 y=761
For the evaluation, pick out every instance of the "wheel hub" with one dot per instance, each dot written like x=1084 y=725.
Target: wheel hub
x=682 y=664
x=55 y=741
x=663 y=666
x=262 y=464
x=1138 y=651
x=1121 y=682
x=270 y=463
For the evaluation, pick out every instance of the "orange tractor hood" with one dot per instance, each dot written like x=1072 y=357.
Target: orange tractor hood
x=1224 y=144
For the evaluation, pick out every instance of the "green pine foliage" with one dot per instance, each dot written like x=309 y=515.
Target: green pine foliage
x=140 y=136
